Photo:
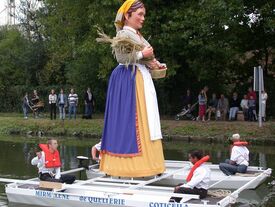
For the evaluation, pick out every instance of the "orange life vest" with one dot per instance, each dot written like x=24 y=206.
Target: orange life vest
x=196 y=165
x=240 y=143
x=52 y=160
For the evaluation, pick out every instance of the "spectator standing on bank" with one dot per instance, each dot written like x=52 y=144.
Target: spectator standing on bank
x=73 y=101
x=52 y=103
x=244 y=106
x=234 y=107
x=25 y=105
x=202 y=99
x=264 y=98
x=34 y=103
x=35 y=97
x=89 y=103
x=62 y=104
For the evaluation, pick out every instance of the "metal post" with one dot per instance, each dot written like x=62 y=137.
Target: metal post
x=255 y=80
x=260 y=95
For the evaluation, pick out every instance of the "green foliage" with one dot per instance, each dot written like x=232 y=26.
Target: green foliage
x=209 y=42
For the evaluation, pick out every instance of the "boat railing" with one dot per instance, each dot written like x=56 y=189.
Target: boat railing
x=234 y=195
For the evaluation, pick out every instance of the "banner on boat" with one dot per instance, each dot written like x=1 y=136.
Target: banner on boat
x=86 y=199
x=156 y=204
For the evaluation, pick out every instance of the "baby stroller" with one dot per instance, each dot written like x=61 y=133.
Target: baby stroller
x=37 y=109
x=186 y=113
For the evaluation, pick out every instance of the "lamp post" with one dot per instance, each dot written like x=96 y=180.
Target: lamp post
x=259 y=86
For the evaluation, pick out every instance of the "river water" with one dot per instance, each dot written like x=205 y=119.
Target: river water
x=16 y=153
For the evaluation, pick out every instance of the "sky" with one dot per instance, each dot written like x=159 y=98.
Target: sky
x=3 y=15
x=3 y=4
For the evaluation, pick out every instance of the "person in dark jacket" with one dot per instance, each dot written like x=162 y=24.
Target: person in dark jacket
x=234 y=107
x=62 y=101
x=89 y=103
x=187 y=99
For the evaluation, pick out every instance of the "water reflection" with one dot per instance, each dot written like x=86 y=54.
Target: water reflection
x=15 y=162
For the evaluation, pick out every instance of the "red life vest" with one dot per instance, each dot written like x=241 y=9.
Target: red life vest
x=240 y=143
x=196 y=165
x=52 y=160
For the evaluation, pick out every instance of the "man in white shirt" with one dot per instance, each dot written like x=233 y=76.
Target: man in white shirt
x=199 y=182
x=264 y=98
x=96 y=150
x=48 y=163
x=239 y=159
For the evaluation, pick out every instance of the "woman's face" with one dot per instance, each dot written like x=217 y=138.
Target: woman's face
x=136 y=19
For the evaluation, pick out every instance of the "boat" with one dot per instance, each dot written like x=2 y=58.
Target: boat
x=103 y=190
x=180 y=171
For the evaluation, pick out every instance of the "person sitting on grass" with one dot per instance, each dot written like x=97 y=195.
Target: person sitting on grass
x=212 y=106
x=252 y=115
x=198 y=178
x=244 y=106
x=239 y=159
x=222 y=108
x=234 y=107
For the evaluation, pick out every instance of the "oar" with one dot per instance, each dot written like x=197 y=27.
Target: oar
x=10 y=180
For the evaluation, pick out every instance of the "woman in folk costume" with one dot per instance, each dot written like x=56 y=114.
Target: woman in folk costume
x=131 y=143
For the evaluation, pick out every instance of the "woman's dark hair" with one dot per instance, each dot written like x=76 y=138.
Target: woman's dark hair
x=196 y=154
x=36 y=149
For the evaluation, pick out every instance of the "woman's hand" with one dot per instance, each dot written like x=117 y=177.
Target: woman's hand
x=39 y=155
x=147 y=52
x=154 y=64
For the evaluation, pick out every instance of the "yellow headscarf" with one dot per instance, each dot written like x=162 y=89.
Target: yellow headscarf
x=119 y=23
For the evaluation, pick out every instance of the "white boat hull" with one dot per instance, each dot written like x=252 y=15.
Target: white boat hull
x=102 y=191
x=94 y=199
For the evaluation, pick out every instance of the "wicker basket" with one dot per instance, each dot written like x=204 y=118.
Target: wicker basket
x=158 y=73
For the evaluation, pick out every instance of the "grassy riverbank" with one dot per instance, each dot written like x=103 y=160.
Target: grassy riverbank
x=13 y=124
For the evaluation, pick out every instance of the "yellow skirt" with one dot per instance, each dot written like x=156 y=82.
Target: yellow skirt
x=151 y=160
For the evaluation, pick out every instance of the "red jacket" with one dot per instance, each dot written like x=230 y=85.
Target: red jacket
x=195 y=166
x=253 y=94
x=52 y=160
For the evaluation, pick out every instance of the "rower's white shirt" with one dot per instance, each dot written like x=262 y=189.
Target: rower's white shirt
x=240 y=155
x=98 y=146
x=200 y=179
x=40 y=163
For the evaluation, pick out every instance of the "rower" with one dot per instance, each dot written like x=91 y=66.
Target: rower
x=198 y=178
x=239 y=159
x=48 y=163
x=96 y=149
